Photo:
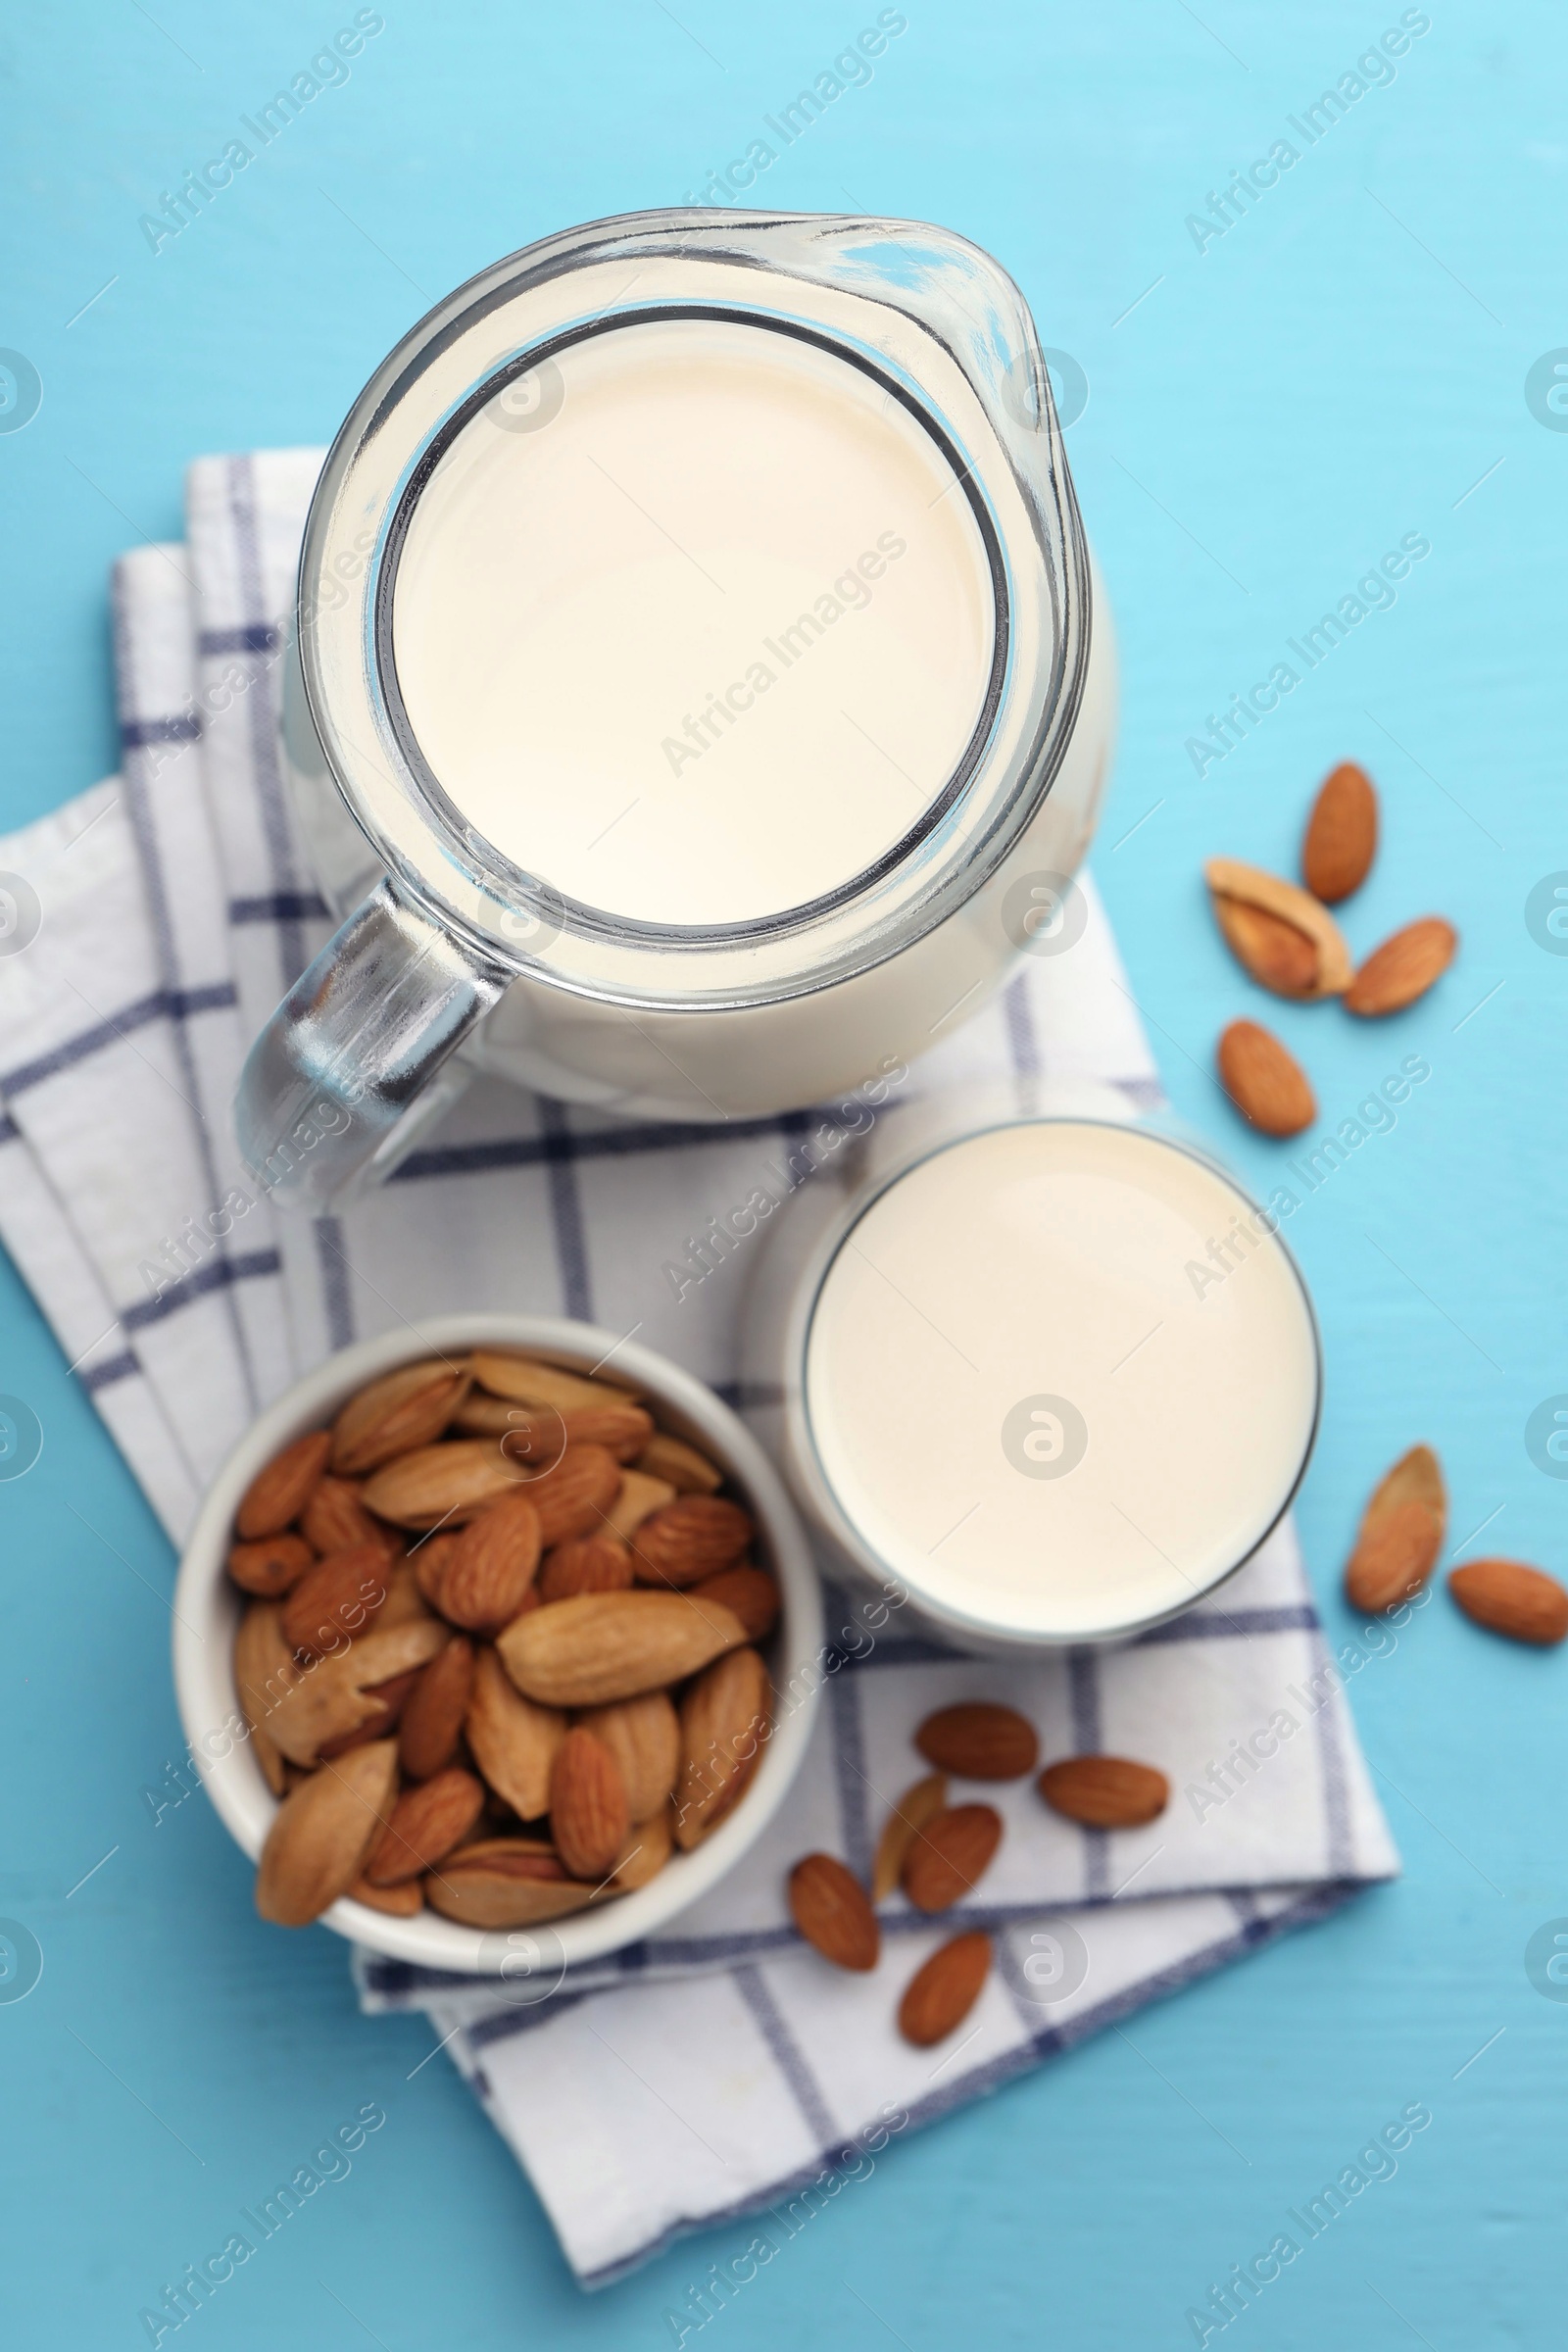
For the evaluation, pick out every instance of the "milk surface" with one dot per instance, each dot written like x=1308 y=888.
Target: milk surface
x=1039 y=1396
x=696 y=623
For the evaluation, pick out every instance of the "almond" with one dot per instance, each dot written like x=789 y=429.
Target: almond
x=1342 y=834
x=1402 y=968
x=723 y=1723
x=431 y=1723
x=639 y=1495
x=514 y=1740
x=263 y=1669
x=1104 y=1793
x=648 y=1847
x=428 y=1561
x=408 y=1407
x=530 y=1382
x=914 y=1808
x=643 y=1734
x=325 y=1700
x=1284 y=938
x=681 y=1465
x=403 y=1600
x=336 y=1599
x=322 y=1834
x=425 y=1826
x=504 y=1883
x=1416 y=1477
x=1395 y=1554
x=269 y=1566
x=979 y=1741
x=942 y=1990
x=688 y=1539
x=399 y=1902
x=441 y=1485
x=335 y=1517
x=492 y=1566
x=946 y=1857
x=276 y=1495
x=589 y=1815
x=1507 y=1597
x=390 y=1700
x=829 y=1906
x=622 y=1428
x=571 y=1500
x=1264 y=1080
x=749 y=1591
x=481 y=1415
x=601 y=1646
x=597 y=1563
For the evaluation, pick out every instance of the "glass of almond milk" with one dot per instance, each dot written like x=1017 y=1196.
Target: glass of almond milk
x=1049 y=1372
x=696 y=637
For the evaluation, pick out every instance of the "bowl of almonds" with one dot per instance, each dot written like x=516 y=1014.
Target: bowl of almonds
x=496 y=1623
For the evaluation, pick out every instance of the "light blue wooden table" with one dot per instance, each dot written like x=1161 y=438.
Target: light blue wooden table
x=1268 y=410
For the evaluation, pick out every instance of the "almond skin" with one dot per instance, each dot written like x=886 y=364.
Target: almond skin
x=408 y=1407
x=322 y=1834
x=1266 y=1083
x=1342 y=834
x=597 y=1563
x=1393 y=1556
x=643 y=1734
x=979 y=1741
x=336 y=1599
x=601 y=1646
x=1403 y=968
x=276 y=1495
x=1507 y=1597
x=270 y=1566
x=687 y=1471
x=690 y=1539
x=1104 y=1793
x=571 y=1498
x=829 y=1906
x=514 y=1740
x=914 y=1808
x=492 y=1565
x=431 y=1723
x=950 y=1855
x=749 y=1591
x=441 y=1486
x=335 y=1517
x=425 y=1824
x=589 y=1812
x=723 y=1723
x=1265 y=923
x=941 y=1993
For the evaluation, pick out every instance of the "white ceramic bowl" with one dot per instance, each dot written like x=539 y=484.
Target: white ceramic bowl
x=206 y=1610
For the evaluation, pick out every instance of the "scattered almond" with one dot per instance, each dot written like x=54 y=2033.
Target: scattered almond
x=269 y=1566
x=1507 y=1597
x=322 y=1833
x=749 y=1591
x=276 y=1495
x=979 y=1741
x=1403 y=968
x=1266 y=1083
x=1342 y=834
x=723 y=1724
x=830 y=1907
x=914 y=1808
x=948 y=1855
x=597 y=1563
x=431 y=1723
x=942 y=1990
x=1400 y=1535
x=601 y=1646
x=690 y=1539
x=1104 y=1793
x=1286 y=940
x=589 y=1812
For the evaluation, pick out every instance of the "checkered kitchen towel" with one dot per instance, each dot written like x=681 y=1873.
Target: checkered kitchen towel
x=716 y=2070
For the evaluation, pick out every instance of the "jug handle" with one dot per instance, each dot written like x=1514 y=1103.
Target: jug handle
x=343 y=1062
